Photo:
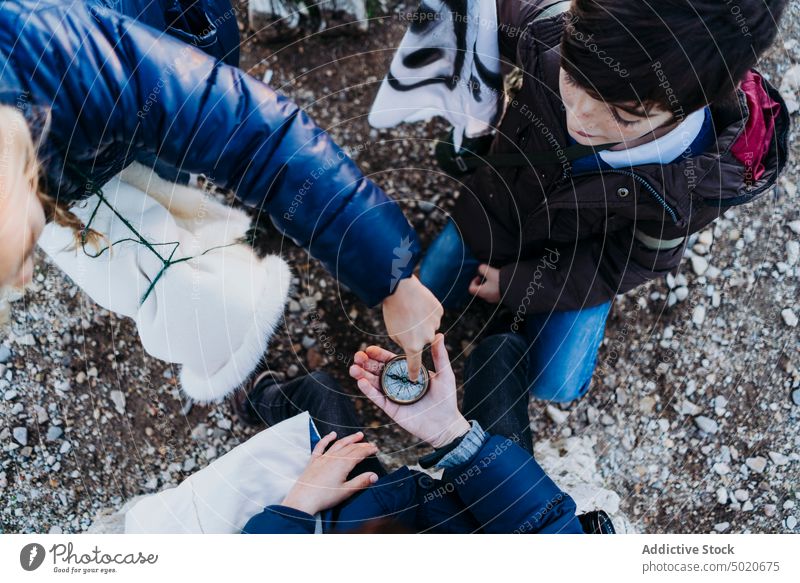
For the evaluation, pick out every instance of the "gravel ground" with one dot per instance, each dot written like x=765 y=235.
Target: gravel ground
x=694 y=410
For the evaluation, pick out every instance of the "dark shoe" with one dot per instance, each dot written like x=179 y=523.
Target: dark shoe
x=243 y=399
x=597 y=522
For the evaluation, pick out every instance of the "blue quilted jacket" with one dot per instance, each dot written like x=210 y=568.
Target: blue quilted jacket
x=119 y=86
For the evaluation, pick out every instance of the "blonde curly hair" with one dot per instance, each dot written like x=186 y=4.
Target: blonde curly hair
x=20 y=168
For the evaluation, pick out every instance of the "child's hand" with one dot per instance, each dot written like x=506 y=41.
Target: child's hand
x=412 y=315
x=486 y=287
x=324 y=482
x=435 y=418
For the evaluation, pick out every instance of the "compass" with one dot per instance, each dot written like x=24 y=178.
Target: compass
x=398 y=387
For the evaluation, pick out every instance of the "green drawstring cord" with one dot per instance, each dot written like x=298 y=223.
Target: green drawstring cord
x=165 y=262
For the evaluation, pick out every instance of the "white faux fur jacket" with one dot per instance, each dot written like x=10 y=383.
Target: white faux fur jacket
x=214 y=313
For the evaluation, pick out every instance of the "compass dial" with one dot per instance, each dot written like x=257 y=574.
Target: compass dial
x=398 y=387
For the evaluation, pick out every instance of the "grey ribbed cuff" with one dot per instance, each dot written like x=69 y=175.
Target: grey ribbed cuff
x=470 y=444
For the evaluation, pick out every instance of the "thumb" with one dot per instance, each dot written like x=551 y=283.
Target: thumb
x=361 y=481
x=475 y=286
x=441 y=360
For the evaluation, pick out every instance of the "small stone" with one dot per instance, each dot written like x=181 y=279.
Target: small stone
x=699 y=264
x=20 y=435
x=41 y=414
x=796 y=397
x=294 y=306
x=10 y=395
x=706 y=424
x=5 y=354
x=778 y=458
x=794 y=226
x=706 y=238
x=758 y=464
x=557 y=415
x=722 y=495
x=308 y=303
x=308 y=342
x=721 y=468
x=741 y=495
x=789 y=317
x=622 y=396
x=292 y=371
x=699 y=315
x=189 y=465
x=54 y=432
x=747 y=506
x=720 y=402
x=55 y=529
x=681 y=293
x=791 y=522
x=689 y=408
x=722 y=526
x=770 y=510
x=65 y=447
x=788 y=505
x=118 y=398
x=17 y=409
x=792 y=252
x=646 y=405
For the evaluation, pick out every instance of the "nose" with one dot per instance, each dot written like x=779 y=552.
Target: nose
x=582 y=107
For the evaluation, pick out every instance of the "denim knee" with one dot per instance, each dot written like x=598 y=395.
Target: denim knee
x=558 y=386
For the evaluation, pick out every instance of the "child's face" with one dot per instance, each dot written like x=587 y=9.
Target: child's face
x=592 y=122
x=21 y=222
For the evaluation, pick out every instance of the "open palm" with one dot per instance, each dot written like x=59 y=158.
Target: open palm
x=435 y=418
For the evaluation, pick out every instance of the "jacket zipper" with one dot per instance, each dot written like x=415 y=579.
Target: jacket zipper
x=649 y=187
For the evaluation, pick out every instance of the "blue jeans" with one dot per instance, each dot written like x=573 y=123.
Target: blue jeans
x=561 y=346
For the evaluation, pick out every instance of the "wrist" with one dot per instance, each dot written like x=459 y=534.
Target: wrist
x=401 y=289
x=300 y=502
x=452 y=431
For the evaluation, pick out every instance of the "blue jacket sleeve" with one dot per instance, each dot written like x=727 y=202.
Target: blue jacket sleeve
x=507 y=491
x=277 y=519
x=118 y=85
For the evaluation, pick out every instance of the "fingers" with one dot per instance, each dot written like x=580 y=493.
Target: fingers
x=361 y=481
x=357 y=372
x=484 y=269
x=345 y=441
x=380 y=354
x=475 y=286
x=319 y=449
x=440 y=358
x=372 y=393
x=414 y=360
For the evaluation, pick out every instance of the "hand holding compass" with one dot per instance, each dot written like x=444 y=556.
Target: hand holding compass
x=431 y=413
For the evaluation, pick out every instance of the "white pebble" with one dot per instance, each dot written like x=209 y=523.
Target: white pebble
x=758 y=464
x=699 y=264
x=789 y=317
x=699 y=315
x=557 y=415
x=778 y=458
x=792 y=252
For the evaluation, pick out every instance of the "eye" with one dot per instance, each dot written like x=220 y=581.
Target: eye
x=620 y=120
